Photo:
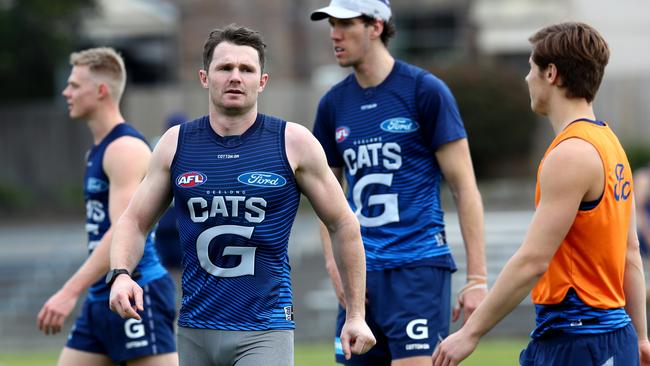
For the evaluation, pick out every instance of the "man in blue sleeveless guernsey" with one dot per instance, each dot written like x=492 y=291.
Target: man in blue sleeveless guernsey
x=115 y=165
x=395 y=130
x=236 y=176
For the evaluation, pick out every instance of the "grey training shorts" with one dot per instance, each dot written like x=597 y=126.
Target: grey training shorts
x=209 y=347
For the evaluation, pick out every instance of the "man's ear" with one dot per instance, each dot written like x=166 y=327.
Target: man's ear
x=263 y=80
x=203 y=78
x=103 y=91
x=551 y=75
x=376 y=28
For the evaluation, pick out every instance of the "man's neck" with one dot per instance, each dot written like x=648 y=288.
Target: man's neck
x=103 y=121
x=375 y=68
x=569 y=110
x=232 y=125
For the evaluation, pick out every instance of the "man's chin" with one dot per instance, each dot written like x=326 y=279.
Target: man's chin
x=235 y=110
x=346 y=63
x=73 y=115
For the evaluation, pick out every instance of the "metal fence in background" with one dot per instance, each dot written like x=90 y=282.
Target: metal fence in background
x=37 y=259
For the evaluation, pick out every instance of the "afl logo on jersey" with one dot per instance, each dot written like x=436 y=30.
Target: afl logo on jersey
x=399 y=125
x=262 y=179
x=342 y=133
x=191 y=179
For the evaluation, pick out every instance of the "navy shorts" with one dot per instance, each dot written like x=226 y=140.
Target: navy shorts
x=408 y=311
x=615 y=348
x=99 y=330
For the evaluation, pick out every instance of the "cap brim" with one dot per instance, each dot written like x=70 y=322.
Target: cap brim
x=335 y=12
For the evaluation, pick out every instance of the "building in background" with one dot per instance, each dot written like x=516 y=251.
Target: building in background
x=502 y=31
x=162 y=43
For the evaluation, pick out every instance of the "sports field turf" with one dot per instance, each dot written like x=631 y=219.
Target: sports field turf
x=498 y=352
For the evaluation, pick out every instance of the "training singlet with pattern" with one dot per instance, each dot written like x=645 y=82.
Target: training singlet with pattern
x=96 y=194
x=235 y=199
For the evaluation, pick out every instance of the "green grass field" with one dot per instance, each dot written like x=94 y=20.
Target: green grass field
x=498 y=352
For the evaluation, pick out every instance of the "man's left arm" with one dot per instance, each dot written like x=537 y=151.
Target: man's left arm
x=456 y=166
x=634 y=287
x=320 y=186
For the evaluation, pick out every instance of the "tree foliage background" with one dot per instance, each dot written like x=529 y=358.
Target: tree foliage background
x=35 y=37
x=495 y=108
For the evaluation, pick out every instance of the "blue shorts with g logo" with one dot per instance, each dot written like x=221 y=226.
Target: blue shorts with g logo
x=408 y=311
x=99 y=330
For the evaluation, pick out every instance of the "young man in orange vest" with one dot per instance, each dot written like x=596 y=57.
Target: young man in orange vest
x=581 y=255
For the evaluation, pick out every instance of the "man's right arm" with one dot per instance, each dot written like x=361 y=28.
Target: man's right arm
x=456 y=165
x=149 y=202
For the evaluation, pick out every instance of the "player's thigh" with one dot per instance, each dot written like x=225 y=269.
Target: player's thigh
x=240 y=348
x=131 y=339
x=195 y=347
x=167 y=359
x=72 y=357
x=269 y=348
x=379 y=354
x=413 y=361
x=412 y=308
x=87 y=335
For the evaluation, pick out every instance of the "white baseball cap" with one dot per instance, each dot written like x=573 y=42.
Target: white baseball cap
x=346 y=9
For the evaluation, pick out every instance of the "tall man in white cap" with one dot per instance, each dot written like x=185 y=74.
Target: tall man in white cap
x=393 y=130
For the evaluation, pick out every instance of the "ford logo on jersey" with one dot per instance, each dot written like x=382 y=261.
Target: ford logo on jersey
x=399 y=125
x=191 y=179
x=95 y=185
x=262 y=179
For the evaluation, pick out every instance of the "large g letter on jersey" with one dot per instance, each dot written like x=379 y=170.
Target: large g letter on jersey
x=247 y=264
x=386 y=155
x=389 y=200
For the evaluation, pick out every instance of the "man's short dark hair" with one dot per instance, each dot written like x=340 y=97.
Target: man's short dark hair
x=234 y=34
x=389 y=28
x=578 y=51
